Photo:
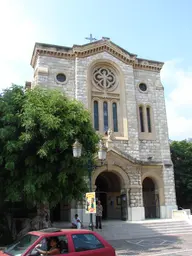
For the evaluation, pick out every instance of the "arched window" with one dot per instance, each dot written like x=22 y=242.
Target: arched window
x=96 y=115
x=105 y=98
x=149 y=119
x=115 y=121
x=141 y=115
x=105 y=116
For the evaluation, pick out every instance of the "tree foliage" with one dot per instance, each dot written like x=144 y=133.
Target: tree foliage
x=182 y=159
x=37 y=130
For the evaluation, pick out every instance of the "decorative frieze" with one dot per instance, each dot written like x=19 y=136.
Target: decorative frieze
x=83 y=51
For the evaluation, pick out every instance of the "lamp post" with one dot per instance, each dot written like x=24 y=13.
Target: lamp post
x=102 y=152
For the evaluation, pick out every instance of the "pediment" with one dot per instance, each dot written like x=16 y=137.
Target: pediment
x=104 y=46
x=86 y=50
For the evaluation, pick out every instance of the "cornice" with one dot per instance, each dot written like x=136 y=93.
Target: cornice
x=83 y=51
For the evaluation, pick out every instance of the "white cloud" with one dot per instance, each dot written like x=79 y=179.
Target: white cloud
x=178 y=84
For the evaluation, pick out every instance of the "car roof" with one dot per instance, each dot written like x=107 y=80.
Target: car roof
x=56 y=231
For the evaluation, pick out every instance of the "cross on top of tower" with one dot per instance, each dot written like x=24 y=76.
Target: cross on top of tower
x=90 y=38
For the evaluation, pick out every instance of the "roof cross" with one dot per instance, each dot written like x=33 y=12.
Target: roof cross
x=90 y=38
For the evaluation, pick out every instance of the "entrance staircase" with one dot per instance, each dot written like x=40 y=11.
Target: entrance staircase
x=117 y=230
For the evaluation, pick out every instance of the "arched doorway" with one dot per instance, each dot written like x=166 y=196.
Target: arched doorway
x=108 y=191
x=150 y=199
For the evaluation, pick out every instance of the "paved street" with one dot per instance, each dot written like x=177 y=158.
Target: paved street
x=180 y=245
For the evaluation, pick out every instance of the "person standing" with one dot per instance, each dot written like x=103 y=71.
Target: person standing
x=99 y=213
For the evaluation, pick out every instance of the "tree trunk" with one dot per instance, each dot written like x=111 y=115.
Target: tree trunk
x=41 y=221
x=43 y=211
x=7 y=230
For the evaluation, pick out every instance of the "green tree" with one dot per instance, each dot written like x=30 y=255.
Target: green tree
x=181 y=152
x=37 y=130
x=11 y=103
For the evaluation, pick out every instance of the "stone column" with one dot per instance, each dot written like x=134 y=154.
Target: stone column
x=135 y=208
x=136 y=203
x=73 y=209
x=168 y=173
x=169 y=192
x=81 y=80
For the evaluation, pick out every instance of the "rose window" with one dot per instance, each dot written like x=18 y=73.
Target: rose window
x=104 y=78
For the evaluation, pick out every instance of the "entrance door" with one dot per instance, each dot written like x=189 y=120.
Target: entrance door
x=150 y=199
x=55 y=213
x=108 y=191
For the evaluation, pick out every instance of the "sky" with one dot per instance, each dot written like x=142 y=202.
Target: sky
x=158 y=30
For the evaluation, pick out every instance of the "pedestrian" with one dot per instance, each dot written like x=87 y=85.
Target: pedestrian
x=99 y=213
x=76 y=223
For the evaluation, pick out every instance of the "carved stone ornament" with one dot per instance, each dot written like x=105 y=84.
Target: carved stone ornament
x=104 y=78
x=129 y=167
x=110 y=135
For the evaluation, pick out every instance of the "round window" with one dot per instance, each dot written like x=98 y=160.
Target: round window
x=61 y=77
x=143 y=87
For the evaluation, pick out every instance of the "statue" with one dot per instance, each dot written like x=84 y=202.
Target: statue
x=110 y=135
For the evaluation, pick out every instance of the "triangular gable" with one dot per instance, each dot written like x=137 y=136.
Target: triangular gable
x=86 y=50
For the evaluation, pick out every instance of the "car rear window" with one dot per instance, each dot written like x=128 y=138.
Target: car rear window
x=84 y=242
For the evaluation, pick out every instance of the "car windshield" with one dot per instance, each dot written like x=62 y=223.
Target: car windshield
x=21 y=245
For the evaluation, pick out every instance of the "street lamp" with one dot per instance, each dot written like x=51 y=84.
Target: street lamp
x=77 y=149
x=102 y=153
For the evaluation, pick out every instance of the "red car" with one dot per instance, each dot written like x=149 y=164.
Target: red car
x=73 y=242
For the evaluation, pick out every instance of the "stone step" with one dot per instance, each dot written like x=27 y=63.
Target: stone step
x=136 y=231
x=189 y=227
x=140 y=236
x=147 y=230
x=144 y=231
x=143 y=225
x=164 y=224
x=147 y=226
x=135 y=226
x=139 y=232
x=115 y=230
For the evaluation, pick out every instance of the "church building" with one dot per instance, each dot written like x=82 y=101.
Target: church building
x=125 y=95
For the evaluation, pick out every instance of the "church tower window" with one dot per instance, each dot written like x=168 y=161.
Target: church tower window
x=105 y=116
x=146 y=123
x=96 y=115
x=115 y=121
x=141 y=116
x=149 y=119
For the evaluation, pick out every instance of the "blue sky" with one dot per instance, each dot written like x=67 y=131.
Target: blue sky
x=159 y=30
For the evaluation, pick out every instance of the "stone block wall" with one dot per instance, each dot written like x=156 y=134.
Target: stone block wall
x=136 y=197
x=77 y=87
x=47 y=78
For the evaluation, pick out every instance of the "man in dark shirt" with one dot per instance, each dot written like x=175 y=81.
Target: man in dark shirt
x=99 y=213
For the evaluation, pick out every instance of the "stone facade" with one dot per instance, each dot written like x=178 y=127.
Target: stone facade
x=134 y=154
